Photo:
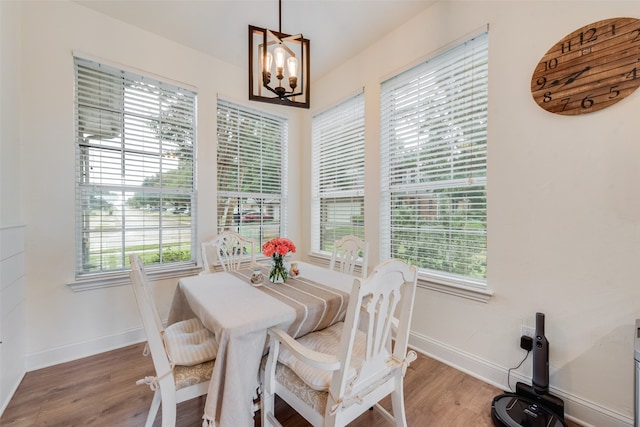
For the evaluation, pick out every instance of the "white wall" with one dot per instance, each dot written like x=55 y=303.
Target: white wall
x=564 y=207
x=62 y=324
x=10 y=54
x=12 y=295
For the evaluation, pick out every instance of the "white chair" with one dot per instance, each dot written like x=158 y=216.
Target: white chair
x=230 y=249
x=346 y=252
x=332 y=376
x=182 y=353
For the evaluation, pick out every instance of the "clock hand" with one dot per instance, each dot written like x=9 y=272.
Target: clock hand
x=571 y=77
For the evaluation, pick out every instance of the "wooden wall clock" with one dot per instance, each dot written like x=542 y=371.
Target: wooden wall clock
x=589 y=69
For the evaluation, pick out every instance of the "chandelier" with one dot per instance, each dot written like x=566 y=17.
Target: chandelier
x=278 y=66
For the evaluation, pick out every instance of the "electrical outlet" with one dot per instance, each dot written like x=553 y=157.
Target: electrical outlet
x=527 y=331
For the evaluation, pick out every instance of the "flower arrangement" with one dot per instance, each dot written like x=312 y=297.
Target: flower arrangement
x=276 y=249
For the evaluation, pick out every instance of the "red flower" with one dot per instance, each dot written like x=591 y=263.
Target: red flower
x=279 y=245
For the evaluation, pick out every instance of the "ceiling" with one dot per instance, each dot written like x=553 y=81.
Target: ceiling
x=337 y=29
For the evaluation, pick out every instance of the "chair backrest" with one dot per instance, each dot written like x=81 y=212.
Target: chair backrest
x=346 y=252
x=139 y=276
x=389 y=290
x=151 y=322
x=230 y=249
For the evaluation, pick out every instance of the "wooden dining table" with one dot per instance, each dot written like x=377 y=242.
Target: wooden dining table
x=239 y=314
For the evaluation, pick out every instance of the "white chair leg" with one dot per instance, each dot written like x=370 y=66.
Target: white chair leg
x=397 y=406
x=153 y=410
x=168 y=407
x=330 y=420
x=267 y=409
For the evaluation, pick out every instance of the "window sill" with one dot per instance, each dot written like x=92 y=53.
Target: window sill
x=323 y=259
x=320 y=259
x=465 y=288
x=107 y=280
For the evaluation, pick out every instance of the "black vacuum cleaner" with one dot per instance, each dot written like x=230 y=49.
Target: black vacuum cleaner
x=531 y=406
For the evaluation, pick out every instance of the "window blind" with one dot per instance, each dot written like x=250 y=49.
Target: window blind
x=135 y=190
x=434 y=163
x=338 y=173
x=252 y=172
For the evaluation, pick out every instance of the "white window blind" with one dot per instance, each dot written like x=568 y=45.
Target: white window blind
x=338 y=173
x=135 y=191
x=252 y=172
x=434 y=164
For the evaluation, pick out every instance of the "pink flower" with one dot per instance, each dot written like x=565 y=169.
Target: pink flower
x=279 y=245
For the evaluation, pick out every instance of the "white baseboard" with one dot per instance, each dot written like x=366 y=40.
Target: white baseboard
x=83 y=349
x=580 y=410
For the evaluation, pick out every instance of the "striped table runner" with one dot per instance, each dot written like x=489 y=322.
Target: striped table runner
x=317 y=306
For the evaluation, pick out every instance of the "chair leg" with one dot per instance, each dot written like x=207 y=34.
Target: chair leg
x=267 y=408
x=153 y=410
x=168 y=407
x=397 y=405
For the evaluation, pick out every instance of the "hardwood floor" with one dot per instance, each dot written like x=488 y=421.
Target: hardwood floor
x=101 y=391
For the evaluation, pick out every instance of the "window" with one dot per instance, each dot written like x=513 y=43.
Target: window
x=135 y=141
x=252 y=172
x=434 y=165
x=338 y=173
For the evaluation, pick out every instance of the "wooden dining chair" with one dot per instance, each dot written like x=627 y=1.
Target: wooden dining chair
x=346 y=252
x=333 y=375
x=183 y=353
x=230 y=249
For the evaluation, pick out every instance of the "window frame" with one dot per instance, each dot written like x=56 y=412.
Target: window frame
x=251 y=155
x=451 y=283
x=342 y=123
x=163 y=89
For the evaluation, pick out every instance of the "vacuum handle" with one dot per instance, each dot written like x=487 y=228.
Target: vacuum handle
x=540 y=358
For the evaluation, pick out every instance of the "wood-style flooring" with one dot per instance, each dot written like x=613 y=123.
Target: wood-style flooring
x=101 y=391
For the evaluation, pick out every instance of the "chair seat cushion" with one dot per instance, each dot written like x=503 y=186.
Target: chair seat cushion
x=186 y=376
x=317 y=400
x=325 y=341
x=189 y=343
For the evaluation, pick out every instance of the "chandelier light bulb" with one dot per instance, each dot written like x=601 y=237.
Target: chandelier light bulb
x=292 y=66
x=266 y=72
x=278 y=56
x=268 y=61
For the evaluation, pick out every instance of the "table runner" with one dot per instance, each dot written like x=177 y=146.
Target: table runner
x=317 y=306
